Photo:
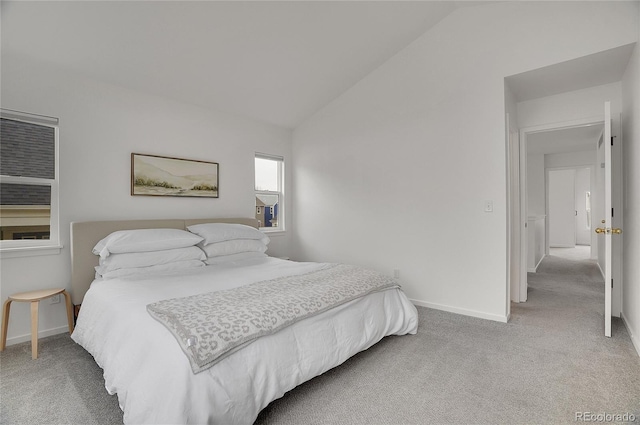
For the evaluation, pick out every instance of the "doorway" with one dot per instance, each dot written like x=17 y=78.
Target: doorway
x=569 y=202
x=531 y=141
x=548 y=98
x=563 y=148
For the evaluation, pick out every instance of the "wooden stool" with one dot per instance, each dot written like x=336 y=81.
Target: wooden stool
x=34 y=298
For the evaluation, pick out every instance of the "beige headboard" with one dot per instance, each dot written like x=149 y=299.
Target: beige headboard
x=85 y=235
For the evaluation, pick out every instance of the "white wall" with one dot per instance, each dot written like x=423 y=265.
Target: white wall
x=570 y=159
x=561 y=203
x=631 y=231
x=100 y=125
x=535 y=185
x=394 y=173
x=571 y=106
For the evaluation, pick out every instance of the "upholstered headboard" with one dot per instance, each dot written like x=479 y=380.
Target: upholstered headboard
x=85 y=235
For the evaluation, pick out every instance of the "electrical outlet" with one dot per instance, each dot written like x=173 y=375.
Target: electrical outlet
x=55 y=299
x=488 y=206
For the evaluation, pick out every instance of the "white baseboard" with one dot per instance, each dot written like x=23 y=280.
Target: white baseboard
x=41 y=334
x=463 y=311
x=600 y=268
x=541 y=258
x=535 y=269
x=633 y=335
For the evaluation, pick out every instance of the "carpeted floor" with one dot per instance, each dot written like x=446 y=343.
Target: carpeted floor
x=549 y=363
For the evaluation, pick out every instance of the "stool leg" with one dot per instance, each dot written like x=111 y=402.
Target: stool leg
x=6 y=308
x=34 y=329
x=67 y=298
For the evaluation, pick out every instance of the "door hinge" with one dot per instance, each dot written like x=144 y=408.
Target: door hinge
x=612 y=283
x=611 y=140
x=611 y=212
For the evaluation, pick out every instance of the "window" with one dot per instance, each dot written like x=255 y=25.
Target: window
x=28 y=180
x=269 y=191
x=587 y=198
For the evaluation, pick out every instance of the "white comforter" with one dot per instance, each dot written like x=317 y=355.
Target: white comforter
x=145 y=366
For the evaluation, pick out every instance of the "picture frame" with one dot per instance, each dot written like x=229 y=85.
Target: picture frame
x=154 y=175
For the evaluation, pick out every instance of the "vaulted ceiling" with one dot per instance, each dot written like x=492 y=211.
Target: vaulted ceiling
x=277 y=62
x=273 y=61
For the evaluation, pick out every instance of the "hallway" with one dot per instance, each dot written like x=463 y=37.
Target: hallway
x=565 y=308
x=569 y=289
x=579 y=252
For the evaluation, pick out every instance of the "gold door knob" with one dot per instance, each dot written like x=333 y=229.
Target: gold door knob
x=601 y=230
x=617 y=231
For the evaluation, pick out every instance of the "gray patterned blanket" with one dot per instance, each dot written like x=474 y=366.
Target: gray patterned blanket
x=211 y=326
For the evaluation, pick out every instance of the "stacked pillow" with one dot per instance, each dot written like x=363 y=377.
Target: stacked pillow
x=147 y=251
x=225 y=242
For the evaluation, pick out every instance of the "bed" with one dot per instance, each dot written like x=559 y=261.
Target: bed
x=151 y=372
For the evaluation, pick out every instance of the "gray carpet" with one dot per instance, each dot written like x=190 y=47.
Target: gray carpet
x=548 y=363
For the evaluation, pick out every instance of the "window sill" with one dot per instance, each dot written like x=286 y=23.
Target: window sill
x=278 y=232
x=29 y=251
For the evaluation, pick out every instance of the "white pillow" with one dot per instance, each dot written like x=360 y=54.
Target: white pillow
x=219 y=232
x=144 y=240
x=147 y=259
x=234 y=247
x=234 y=257
x=158 y=269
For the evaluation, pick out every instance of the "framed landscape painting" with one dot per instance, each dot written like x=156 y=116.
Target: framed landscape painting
x=153 y=175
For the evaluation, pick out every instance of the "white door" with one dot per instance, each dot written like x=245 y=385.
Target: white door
x=562 y=212
x=605 y=231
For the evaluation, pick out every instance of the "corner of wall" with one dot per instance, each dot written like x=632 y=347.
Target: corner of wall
x=631 y=205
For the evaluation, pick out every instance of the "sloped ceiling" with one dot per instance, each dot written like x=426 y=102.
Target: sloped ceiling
x=276 y=62
x=587 y=71
x=593 y=70
x=565 y=140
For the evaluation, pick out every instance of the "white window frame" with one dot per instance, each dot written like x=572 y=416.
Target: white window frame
x=18 y=248
x=280 y=192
